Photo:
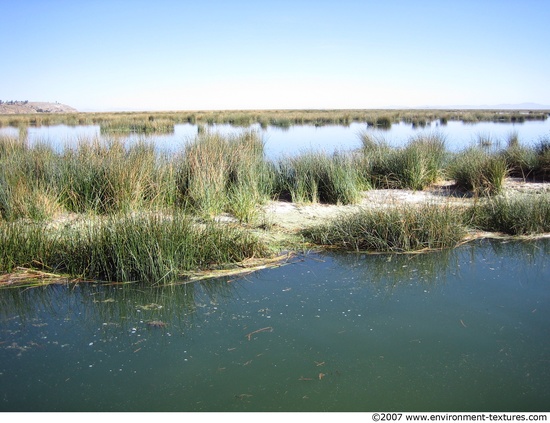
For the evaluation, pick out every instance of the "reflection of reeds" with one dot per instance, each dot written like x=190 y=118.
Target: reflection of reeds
x=120 y=306
x=386 y=272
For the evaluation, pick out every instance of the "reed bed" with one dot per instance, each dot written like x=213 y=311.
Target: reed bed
x=392 y=229
x=141 y=209
x=149 y=126
x=152 y=248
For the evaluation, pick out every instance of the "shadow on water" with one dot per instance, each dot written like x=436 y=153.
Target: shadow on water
x=458 y=330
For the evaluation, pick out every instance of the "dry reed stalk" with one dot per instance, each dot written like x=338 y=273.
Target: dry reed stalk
x=244 y=268
x=30 y=278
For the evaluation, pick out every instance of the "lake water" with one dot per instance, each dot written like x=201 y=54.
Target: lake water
x=299 y=138
x=460 y=330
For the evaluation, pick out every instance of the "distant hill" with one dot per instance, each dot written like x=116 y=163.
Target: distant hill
x=30 y=107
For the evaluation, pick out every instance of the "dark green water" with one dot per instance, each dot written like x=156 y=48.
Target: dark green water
x=463 y=330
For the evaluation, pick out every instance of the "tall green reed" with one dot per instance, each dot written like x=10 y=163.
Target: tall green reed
x=108 y=177
x=26 y=184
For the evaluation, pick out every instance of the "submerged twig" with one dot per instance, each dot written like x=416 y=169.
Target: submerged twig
x=269 y=328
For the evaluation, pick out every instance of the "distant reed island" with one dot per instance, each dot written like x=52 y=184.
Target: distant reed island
x=37 y=114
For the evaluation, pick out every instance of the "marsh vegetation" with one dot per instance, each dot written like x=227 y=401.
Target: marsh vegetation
x=103 y=209
x=147 y=121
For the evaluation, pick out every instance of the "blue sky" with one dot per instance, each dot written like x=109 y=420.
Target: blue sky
x=101 y=55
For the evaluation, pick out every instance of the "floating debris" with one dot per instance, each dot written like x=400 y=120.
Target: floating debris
x=157 y=324
x=151 y=306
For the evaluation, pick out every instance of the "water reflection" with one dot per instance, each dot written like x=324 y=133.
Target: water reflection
x=123 y=304
x=293 y=139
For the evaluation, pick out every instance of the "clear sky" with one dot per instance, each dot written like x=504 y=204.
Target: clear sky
x=100 y=55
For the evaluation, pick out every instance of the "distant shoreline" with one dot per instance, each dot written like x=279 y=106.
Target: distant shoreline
x=44 y=107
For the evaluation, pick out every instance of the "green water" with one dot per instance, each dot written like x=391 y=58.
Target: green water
x=462 y=330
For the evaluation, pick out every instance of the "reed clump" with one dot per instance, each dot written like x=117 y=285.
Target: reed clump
x=392 y=229
x=109 y=177
x=314 y=177
x=520 y=214
x=479 y=171
x=522 y=161
x=542 y=170
x=26 y=185
x=416 y=166
x=224 y=174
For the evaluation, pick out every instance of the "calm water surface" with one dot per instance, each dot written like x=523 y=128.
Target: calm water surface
x=300 y=138
x=461 y=330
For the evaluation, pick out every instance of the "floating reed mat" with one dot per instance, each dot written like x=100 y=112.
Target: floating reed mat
x=23 y=277
x=244 y=268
